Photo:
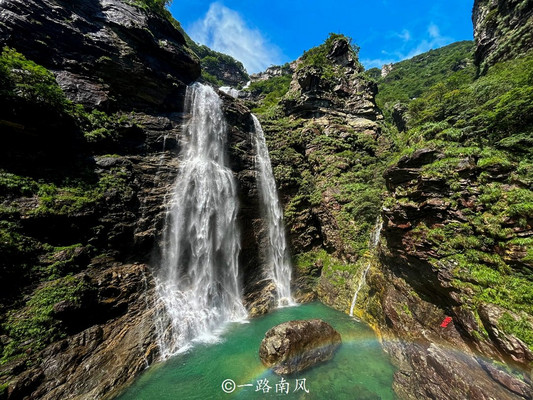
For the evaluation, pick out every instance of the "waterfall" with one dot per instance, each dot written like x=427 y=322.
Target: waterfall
x=374 y=241
x=230 y=91
x=197 y=283
x=279 y=267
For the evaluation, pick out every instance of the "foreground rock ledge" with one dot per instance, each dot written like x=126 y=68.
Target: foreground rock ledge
x=296 y=345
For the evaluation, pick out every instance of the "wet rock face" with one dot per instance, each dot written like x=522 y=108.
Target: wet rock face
x=113 y=340
x=105 y=53
x=503 y=29
x=434 y=361
x=296 y=345
x=254 y=232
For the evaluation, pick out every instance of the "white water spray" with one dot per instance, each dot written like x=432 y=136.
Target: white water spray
x=198 y=283
x=230 y=91
x=279 y=266
x=374 y=241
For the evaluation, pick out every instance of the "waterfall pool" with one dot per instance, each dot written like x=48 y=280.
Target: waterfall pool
x=359 y=370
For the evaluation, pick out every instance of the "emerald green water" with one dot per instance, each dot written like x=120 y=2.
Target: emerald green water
x=359 y=370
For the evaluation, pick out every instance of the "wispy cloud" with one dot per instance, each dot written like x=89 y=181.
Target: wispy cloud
x=377 y=62
x=224 y=30
x=434 y=31
x=405 y=35
x=410 y=46
x=435 y=40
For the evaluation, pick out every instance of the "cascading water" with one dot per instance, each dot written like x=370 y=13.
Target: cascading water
x=374 y=241
x=230 y=91
x=198 y=283
x=279 y=266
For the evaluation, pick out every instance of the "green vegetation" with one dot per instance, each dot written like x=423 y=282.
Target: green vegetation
x=159 y=7
x=27 y=258
x=49 y=214
x=483 y=129
x=411 y=78
x=272 y=89
x=22 y=79
x=513 y=39
x=329 y=171
x=36 y=326
x=341 y=170
x=214 y=65
x=318 y=56
x=521 y=328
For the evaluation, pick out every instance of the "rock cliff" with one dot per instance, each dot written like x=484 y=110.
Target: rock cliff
x=448 y=289
x=91 y=131
x=324 y=139
x=420 y=285
x=85 y=175
x=502 y=30
x=455 y=270
x=120 y=55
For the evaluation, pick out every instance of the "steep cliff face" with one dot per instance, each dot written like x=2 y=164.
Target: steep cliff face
x=88 y=158
x=324 y=142
x=449 y=291
x=121 y=55
x=502 y=30
x=454 y=283
x=433 y=269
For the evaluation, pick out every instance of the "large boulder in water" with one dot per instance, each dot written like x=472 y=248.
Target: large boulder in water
x=296 y=345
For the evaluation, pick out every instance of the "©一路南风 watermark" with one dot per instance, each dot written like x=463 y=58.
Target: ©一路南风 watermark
x=263 y=385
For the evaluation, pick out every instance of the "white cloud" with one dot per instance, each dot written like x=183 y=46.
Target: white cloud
x=434 y=41
x=433 y=31
x=224 y=30
x=377 y=62
x=431 y=40
x=405 y=35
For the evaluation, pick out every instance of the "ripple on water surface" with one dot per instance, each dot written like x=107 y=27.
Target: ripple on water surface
x=359 y=370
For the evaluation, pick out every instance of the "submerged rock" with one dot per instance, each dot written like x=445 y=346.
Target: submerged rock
x=296 y=345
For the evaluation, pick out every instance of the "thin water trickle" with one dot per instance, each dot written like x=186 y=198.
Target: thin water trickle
x=374 y=241
x=197 y=284
x=278 y=260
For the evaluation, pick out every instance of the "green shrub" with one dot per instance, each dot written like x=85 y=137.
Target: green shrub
x=16 y=185
x=23 y=79
x=155 y=5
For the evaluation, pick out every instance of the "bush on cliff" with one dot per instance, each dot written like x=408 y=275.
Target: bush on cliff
x=23 y=80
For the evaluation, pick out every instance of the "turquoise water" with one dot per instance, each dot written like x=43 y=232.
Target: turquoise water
x=359 y=370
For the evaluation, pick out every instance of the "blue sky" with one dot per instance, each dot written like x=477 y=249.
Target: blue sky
x=261 y=33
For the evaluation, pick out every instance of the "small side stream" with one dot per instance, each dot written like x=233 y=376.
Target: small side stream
x=359 y=370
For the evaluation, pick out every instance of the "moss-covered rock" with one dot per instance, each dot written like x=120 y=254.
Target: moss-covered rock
x=502 y=30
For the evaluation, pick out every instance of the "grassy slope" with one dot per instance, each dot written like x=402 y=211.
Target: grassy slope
x=411 y=78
